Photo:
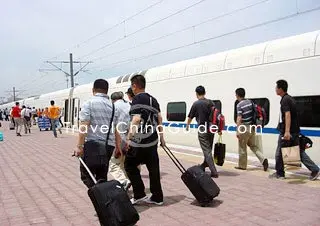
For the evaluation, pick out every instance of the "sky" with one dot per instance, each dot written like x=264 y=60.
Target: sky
x=125 y=36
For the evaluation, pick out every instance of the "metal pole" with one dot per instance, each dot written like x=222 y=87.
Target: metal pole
x=14 y=94
x=71 y=70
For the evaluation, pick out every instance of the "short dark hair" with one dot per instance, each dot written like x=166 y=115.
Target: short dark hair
x=116 y=96
x=139 y=80
x=200 y=90
x=52 y=102
x=241 y=92
x=17 y=103
x=130 y=92
x=282 y=84
x=101 y=85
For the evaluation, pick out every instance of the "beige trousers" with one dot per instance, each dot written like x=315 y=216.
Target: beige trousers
x=18 y=124
x=249 y=138
x=116 y=169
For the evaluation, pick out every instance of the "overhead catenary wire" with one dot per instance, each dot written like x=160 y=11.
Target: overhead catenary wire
x=181 y=30
x=99 y=34
x=179 y=47
x=108 y=29
x=141 y=29
x=112 y=65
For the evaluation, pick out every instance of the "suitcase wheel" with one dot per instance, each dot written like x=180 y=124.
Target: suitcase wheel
x=205 y=204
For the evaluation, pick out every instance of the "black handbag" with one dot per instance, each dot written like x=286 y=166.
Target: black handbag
x=219 y=152
x=95 y=152
x=304 y=142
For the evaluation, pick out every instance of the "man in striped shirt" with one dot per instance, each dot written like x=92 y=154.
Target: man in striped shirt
x=246 y=132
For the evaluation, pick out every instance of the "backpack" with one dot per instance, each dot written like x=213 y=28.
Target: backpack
x=147 y=127
x=216 y=119
x=259 y=117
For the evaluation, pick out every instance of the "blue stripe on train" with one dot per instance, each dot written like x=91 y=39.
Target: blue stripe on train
x=306 y=132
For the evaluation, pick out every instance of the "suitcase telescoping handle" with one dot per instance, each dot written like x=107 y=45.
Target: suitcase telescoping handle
x=174 y=159
x=86 y=167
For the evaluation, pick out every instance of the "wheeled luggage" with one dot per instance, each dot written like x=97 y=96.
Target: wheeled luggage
x=44 y=123
x=111 y=202
x=11 y=126
x=201 y=185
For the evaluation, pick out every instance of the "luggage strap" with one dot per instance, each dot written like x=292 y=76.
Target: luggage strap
x=174 y=159
x=86 y=167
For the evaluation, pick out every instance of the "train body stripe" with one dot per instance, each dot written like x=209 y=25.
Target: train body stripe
x=306 y=132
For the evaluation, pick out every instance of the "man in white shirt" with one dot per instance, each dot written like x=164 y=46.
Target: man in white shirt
x=34 y=115
x=26 y=117
x=116 y=167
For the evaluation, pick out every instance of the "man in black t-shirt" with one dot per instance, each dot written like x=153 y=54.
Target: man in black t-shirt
x=142 y=143
x=201 y=111
x=289 y=129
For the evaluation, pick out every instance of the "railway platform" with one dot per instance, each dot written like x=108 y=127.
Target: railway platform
x=40 y=185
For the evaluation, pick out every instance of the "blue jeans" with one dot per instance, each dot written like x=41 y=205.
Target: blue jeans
x=55 y=124
x=305 y=159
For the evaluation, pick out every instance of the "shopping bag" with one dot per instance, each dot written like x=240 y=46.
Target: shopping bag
x=290 y=154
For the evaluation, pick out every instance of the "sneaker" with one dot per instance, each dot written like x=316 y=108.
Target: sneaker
x=126 y=185
x=239 y=168
x=315 y=175
x=136 y=201
x=214 y=175
x=150 y=201
x=276 y=176
x=265 y=165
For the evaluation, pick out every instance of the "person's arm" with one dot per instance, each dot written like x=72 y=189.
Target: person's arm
x=188 y=123
x=133 y=126
x=135 y=121
x=287 y=116
x=160 y=128
x=22 y=113
x=239 y=119
x=287 y=125
x=84 y=124
x=118 y=150
x=191 y=115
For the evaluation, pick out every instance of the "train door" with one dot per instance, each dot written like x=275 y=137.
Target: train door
x=66 y=108
x=76 y=110
x=66 y=111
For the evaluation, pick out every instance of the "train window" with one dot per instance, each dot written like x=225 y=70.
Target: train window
x=217 y=104
x=308 y=108
x=263 y=102
x=119 y=79
x=176 y=111
x=126 y=78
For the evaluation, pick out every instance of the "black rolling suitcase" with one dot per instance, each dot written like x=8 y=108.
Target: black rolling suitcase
x=201 y=185
x=111 y=202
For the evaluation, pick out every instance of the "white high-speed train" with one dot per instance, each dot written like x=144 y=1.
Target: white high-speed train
x=255 y=68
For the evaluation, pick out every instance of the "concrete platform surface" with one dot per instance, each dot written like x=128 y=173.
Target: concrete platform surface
x=40 y=185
